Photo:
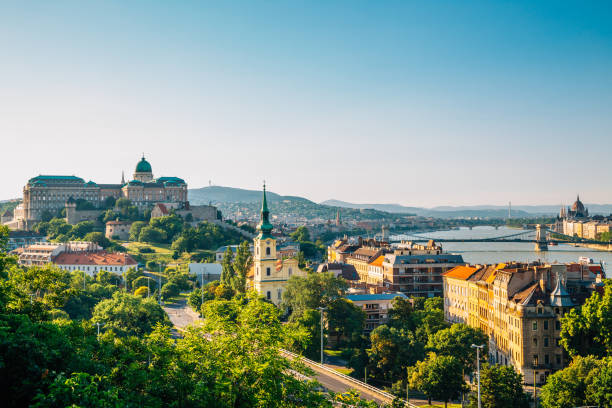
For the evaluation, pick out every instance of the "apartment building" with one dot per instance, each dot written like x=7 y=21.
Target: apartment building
x=520 y=307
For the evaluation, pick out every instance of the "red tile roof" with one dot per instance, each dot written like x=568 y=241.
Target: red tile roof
x=101 y=258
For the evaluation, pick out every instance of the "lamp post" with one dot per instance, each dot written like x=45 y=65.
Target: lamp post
x=99 y=324
x=321 y=309
x=478 y=348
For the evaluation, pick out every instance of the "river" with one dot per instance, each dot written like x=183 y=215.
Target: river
x=493 y=252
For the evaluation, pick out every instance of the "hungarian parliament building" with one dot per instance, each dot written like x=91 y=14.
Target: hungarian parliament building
x=52 y=193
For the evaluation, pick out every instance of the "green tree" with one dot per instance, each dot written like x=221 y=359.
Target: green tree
x=301 y=234
x=241 y=266
x=97 y=238
x=142 y=291
x=345 y=321
x=392 y=351
x=400 y=315
x=227 y=267
x=567 y=388
x=81 y=389
x=501 y=387
x=312 y=291
x=457 y=341
x=438 y=377
x=587 y=330
x=152 y=235
x=130 y=275
x=127 y=314
x=135 y=229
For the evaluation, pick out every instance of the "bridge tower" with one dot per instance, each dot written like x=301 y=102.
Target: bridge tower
x=540 y=244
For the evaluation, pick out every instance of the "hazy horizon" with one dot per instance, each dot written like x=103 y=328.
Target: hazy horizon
x=414 y=103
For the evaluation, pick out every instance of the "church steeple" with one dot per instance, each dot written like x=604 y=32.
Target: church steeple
x=265 y=227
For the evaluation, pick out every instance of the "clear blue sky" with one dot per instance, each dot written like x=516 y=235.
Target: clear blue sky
x=419 y=103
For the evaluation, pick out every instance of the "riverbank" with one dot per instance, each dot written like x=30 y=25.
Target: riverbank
x=597 y=247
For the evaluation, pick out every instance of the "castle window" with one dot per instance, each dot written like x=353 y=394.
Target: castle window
x=268 y=271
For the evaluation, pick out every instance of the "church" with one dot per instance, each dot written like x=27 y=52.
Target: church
x=269 y=274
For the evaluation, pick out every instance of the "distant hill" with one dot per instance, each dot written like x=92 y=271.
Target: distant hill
x=392 y=208
x=219 y=194
x=248 y=203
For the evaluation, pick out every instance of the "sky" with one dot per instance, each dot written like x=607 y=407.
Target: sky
x=421 y=103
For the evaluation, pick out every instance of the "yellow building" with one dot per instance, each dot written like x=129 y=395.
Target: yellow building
x=520 y=307
x=270 y=273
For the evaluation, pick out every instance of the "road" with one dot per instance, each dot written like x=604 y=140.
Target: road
x=181 y=315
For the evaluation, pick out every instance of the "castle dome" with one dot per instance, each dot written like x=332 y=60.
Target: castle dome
x=143 y=166
x=578 y=207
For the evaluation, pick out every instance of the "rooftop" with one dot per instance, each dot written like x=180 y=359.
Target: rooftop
x=99 y=258
x=373 y=296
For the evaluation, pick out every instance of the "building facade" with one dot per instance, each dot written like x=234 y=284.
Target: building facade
x=93 y=262
x=520 y=307
x=375 y=306
x=48 y=194
x=270 y=272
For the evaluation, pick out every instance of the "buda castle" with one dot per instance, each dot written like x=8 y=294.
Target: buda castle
x=49 y=194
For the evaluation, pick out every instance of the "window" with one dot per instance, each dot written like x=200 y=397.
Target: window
x=268 y=295
x=268 y=271
x=279 y=293
x=535 y=341
x=545 y=324
x=290 y=271
x=535 y=326
x=546 y=359
x=267 y=250
x=535 y=357
x=545 y=341
x=557 y=325
x=558 y=358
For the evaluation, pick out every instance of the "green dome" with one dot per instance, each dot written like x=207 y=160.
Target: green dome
x=143 y=166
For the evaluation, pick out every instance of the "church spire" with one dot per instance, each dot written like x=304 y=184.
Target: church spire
x=265 y=227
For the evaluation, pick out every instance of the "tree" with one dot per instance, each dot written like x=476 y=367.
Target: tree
x=312 y=291
x=135 y=229
x=501 y=387
x=227 y=267
x=81 y=389
x=97 y=238
x=130 y=275
x=301 y=234
x=169 y=290
x=438 y=377
x=129 y=315
x=109 y=202
x=142 y=291
x=588 y=330
x=400 y=315
x=457 y=341
x=392 y=351
x=152 y=235
x=345 y=321
x=241 y=266
x=567 y=388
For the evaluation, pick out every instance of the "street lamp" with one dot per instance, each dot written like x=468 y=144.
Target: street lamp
x=478 y=348
x=99 y=324
x=321 y=309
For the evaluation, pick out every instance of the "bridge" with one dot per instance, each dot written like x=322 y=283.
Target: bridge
x=540 y=236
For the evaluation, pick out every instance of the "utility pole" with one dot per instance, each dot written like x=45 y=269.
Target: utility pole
x=321 y=309
x=159 y=285
x=478 y=368
x=365 y=374
x=535 y=401
x=407 y=387
x=202 y=291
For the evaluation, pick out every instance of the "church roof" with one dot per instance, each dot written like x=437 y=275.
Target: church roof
x=143 y=166
x=578 y=206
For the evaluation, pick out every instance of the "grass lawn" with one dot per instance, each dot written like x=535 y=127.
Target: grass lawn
x=333 y=353
x=345 y=371
x=450 y=405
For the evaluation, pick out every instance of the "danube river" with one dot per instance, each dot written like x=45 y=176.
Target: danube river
x=493 y=252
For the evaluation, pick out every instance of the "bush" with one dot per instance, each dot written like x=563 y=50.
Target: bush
x=151 y=265
x=146 y=250
x=142 y=291
x=170 y=290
